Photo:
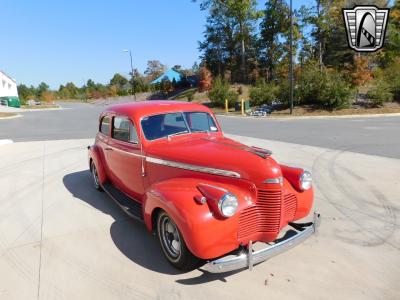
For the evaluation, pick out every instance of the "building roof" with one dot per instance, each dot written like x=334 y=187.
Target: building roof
x=170 y=75
x=9 y=77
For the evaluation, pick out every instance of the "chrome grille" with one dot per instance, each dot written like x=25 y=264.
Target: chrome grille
x=290 y=206
x=264 y=216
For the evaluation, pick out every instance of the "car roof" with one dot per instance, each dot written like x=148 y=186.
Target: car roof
x=139 y=109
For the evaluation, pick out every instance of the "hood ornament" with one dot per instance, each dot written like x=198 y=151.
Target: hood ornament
x=264 y=153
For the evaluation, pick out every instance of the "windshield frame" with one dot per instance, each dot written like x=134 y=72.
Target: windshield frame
x=188 y=130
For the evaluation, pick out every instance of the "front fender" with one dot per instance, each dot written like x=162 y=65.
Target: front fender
x=206 y=234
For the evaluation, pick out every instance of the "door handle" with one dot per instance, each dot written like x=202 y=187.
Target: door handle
x=108 y=149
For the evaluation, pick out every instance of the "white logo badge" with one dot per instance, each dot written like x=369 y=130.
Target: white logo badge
x=366 y=27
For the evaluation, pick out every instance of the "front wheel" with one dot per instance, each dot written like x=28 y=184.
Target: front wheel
x=173 y=245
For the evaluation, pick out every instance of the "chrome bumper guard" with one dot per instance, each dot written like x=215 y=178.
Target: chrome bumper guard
x=247 y=260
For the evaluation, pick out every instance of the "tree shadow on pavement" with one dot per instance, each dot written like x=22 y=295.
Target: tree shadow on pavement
x=130 y=236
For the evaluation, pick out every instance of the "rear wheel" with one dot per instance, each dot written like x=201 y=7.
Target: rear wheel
x=173 y=245
x=95 y=176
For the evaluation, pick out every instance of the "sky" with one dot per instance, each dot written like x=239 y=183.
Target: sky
x=73 y=41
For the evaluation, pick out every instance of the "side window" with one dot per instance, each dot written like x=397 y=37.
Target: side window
x=133 y=138
x=124 y=130
x=105 y=125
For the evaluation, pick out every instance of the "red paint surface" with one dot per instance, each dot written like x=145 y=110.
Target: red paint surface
x=264 y=209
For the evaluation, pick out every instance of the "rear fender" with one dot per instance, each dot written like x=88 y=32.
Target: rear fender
x=97 y=156
x=206 y=234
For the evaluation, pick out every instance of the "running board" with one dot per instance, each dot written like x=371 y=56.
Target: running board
x=129 y=205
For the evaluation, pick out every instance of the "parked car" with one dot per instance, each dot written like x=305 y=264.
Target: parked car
x=32 y=102
x=205 y=196
x=261 y=111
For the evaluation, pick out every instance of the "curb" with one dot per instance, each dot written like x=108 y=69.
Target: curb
x=6 y=142
x=41 y=109
x=11 y=117
x=313 y=117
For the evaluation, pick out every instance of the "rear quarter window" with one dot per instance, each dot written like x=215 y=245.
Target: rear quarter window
x=105 y=125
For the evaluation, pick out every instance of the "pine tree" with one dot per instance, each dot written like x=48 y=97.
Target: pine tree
x=229 y=35
x=272 y=28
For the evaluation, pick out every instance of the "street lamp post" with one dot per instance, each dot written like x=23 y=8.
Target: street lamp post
x=132 y=81
x=291 y=57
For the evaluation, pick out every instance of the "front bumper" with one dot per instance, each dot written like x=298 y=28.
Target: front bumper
x=247 y=260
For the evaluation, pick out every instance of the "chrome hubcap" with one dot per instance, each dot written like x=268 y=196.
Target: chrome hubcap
x=170 y=237
x=95 y=176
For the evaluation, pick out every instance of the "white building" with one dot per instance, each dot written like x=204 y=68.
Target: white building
x=8 y=86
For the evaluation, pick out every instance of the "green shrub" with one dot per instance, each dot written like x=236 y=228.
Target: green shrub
x=190 y=95
x=336 y=91
x=221 y=91
x=391 y=75
x=263 y=93
x=380 y=92
x=328 y=88
x=395 y=88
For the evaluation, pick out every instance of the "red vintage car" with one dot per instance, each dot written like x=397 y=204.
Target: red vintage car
x=207 y=197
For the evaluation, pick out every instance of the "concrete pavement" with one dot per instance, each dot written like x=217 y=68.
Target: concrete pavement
x=61 y=239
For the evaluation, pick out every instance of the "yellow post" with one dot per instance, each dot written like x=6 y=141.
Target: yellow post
x=242 y=107
x=226 y=105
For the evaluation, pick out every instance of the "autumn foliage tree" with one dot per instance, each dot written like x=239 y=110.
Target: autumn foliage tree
x=361 y=72
x=205 y=83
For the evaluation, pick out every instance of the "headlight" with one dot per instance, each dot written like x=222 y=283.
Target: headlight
x=228 y=205
x=305 y=180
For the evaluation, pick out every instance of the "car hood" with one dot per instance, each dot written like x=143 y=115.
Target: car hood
x=219 y=153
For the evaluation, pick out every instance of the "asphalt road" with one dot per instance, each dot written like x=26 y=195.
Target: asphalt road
x=368 y=135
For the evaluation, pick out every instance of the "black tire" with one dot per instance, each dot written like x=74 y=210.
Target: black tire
x=95 y=176
x=173 y=245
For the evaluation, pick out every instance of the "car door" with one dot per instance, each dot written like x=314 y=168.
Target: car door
x=124 y=157
x=102 y=138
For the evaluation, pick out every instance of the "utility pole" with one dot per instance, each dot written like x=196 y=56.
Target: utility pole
x=319 y=36
x=291 y=58
x=132 y=79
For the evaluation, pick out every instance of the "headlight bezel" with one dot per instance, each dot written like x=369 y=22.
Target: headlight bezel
x=228 y=198
x=305 y=180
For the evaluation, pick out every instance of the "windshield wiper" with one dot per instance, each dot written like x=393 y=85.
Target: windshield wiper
x=200 y=131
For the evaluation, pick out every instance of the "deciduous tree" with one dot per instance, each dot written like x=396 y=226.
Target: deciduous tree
x=205 y=83
x=154 y=69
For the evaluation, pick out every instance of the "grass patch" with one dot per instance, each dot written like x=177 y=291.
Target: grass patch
x=185 y=94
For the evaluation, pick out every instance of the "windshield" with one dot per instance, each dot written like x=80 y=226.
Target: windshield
x=163 y=125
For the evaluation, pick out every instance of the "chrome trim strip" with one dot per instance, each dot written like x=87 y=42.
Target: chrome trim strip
x=191 y=167
x=274 y=180
x=245 y=260
x=125 y=152
x=179 y=165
